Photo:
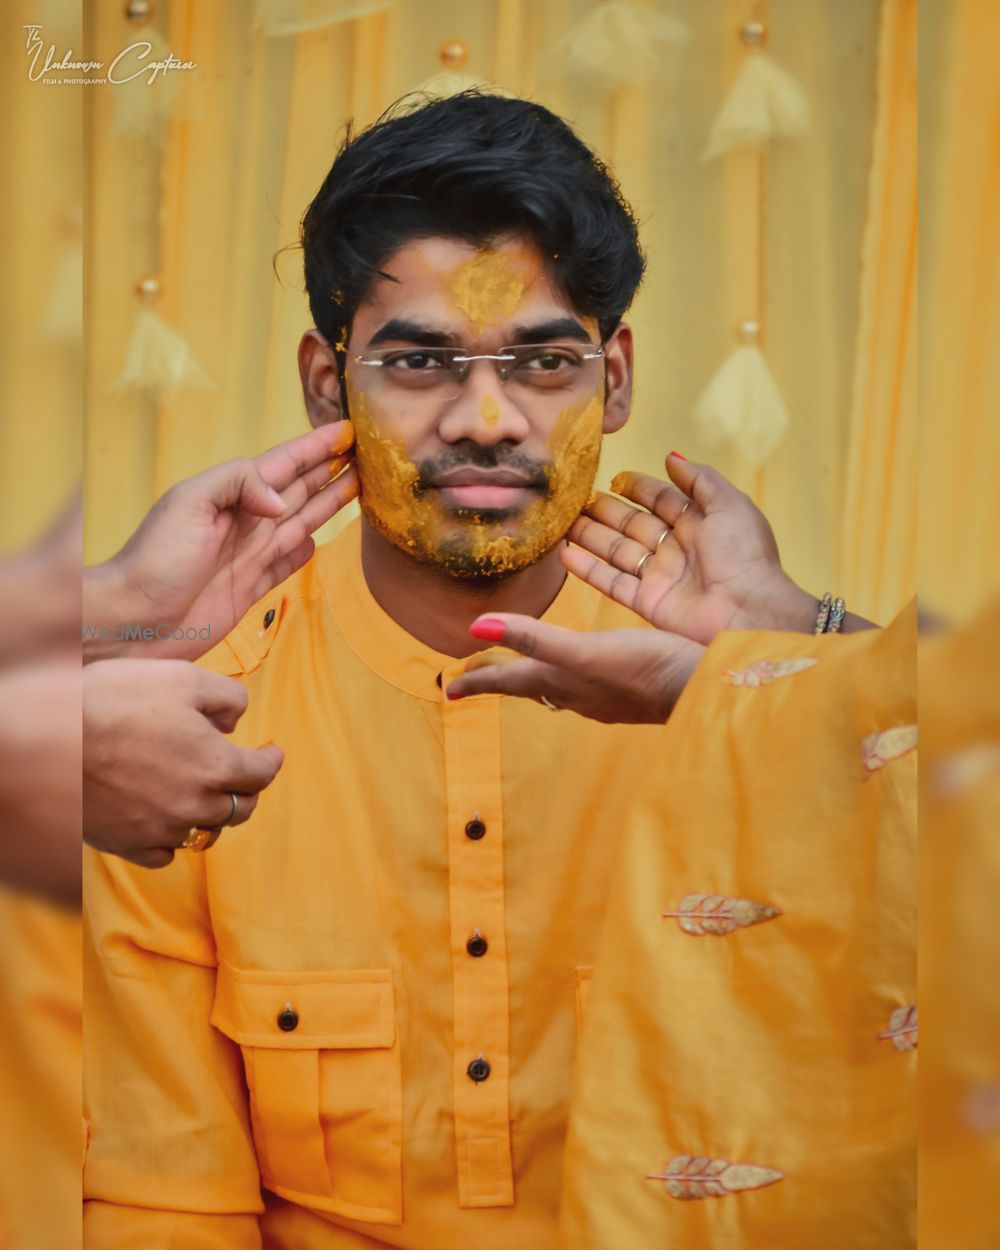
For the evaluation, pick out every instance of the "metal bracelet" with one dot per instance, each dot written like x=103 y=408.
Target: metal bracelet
x=836 y=620
x=825 y=605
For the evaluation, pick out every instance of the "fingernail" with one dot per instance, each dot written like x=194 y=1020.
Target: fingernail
x=450 y=695
x=678 y=455
x=618 y=483
x=343 y=440
x=337 y=464
x=489 y=629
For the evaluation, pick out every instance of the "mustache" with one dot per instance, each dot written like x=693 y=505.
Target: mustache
x=473 y=456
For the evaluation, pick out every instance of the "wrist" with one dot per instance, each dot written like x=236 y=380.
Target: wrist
x=780 y=605
x=110 y=612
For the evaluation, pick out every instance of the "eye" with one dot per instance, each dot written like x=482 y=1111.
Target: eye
x=415 y=361
x=548 y=360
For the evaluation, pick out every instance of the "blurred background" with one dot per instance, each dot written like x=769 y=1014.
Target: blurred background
x=770 y=149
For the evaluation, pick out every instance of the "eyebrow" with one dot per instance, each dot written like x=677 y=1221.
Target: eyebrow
x=399 y=330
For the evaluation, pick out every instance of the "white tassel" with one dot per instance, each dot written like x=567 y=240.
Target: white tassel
x=158 y=357
x=618 y=43
x=142 y=107
x=765 y=102
x=742 y=405
x=294 y=17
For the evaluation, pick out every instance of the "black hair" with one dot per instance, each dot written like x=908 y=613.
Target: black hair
x=472 y=166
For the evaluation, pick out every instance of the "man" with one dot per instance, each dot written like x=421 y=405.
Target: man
x=354 y=1021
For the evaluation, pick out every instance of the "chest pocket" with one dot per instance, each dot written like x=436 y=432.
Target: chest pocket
x=321 y=1054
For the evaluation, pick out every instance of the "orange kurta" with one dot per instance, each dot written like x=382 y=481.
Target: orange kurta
x=349 y=900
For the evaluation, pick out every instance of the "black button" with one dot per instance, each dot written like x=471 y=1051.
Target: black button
x=475 y=830
x=477 y=945
x=288 y=1020
x=478 y=1069
x=268 y=617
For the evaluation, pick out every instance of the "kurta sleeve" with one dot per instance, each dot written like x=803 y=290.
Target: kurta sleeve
x=746 y=1066
x=169 y=1156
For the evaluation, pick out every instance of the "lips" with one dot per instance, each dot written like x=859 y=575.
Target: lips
x=484 y=489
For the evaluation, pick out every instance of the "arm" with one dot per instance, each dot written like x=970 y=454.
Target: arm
x=170 y=1159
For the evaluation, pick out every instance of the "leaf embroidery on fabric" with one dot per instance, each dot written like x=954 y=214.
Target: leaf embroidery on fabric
x=714 y=913
x=879 y=748
x=690 y=1176
x=902 y=1030
x=765 y=671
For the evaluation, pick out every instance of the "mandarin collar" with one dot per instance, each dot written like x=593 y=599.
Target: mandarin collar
x=386 y=648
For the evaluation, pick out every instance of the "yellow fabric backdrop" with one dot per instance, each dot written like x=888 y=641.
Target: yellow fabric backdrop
x=255 y=129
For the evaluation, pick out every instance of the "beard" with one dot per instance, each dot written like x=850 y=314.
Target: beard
x=478 y=546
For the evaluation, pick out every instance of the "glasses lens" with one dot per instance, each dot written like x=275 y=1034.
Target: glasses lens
x=549 y=367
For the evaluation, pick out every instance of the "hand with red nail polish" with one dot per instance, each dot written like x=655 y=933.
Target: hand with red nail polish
x=622 y=676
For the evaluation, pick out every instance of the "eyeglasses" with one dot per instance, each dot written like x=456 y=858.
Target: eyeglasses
x=530 y=373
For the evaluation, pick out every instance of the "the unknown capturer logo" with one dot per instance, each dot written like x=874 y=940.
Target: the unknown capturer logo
x=46 y=65
x=143 y=633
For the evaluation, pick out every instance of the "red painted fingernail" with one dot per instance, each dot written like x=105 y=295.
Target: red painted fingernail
x=452 y=696
x=489 y=629
x=678 y=455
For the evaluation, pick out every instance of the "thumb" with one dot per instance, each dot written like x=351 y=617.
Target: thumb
x=551 y=643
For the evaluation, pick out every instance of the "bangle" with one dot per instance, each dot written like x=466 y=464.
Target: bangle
x=823 y=616
x=836 y=616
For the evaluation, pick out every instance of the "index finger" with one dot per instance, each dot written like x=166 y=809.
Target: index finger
x=551 y=643
x=281 y=465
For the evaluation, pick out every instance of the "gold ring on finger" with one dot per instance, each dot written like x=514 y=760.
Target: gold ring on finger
x=666 y=534
x=548 y=703
x=197 y=839
x=683 y=510
x=641 y=564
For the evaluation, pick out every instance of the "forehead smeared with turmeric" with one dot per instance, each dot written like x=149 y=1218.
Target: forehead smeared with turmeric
x=489 y=286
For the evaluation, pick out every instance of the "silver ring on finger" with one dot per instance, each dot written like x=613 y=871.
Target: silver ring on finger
x=548 y=703
x=683 y=510
x=666 y=534
x=236 y=807
x=641 y=563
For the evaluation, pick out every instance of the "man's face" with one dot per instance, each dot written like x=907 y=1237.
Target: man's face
x=477 y=476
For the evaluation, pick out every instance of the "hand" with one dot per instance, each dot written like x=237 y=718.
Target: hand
x=156 y=761
x=215 y=543
x=632 y=676
x=714 y=562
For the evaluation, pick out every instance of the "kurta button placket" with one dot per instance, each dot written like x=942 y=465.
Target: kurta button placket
x=480 y=987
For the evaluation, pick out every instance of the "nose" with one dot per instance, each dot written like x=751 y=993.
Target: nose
x=483 y=411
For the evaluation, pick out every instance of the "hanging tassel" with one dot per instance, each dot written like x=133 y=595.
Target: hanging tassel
x=618 y=43
x=294 y=17
x=742 y=405
x=157 y=357
x=141 y=107
x=765 y=102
